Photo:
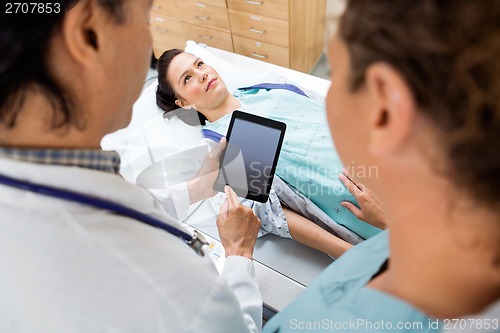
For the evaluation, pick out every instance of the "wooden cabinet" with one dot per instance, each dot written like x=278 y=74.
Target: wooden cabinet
x=219 y=39
x=260 y=28
x=165 y=26
x=274 y=54
x=204 y=14
x=206 y=22
x=271 y=8
x=288 y=33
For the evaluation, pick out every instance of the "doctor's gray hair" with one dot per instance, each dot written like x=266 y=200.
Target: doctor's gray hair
x=24 y=45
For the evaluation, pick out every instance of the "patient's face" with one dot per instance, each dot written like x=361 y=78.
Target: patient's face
x=347 y=111
x=195 y=82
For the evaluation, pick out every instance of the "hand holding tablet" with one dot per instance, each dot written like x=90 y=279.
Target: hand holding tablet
x=249 y=161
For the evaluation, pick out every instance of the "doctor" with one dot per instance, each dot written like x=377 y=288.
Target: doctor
x=66 y=80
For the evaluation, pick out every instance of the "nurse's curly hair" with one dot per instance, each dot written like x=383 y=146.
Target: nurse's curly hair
x=448 y=51
x=166 y=96
x=24 y=45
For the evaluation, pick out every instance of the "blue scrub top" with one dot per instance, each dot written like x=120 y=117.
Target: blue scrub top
x=339 y=301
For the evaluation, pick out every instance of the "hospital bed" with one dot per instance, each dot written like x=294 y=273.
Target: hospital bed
x=284 y=267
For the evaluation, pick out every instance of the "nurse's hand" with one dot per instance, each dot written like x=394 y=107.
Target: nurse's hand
x=238 y=227
x=370 y=209
x=202 y=185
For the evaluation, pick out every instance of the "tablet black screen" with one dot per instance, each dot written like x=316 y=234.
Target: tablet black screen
x=250 y=158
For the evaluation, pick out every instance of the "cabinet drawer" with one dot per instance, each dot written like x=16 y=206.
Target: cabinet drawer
x=164 y=8
x=161 y=45
x=219 y=3
x=204 y=14
x=165 y=26
x=261 y=28
x=262 y=51
x=215 y=38
x=170 y=42
x=270 y=8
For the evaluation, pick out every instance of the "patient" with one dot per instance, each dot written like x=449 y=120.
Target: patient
x=308 y=162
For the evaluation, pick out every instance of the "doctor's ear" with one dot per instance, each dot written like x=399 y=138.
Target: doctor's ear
x=394 y=108
x=83 y=31
x=91 y=38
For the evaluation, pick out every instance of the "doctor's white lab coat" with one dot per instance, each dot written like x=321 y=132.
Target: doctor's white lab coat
x=67 y=267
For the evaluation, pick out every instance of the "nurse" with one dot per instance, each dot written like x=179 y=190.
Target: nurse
x=67 y=78
x=415 y=91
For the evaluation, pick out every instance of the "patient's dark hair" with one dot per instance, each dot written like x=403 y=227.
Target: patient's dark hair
x=165 y=94
x=24 y=43
x=448 y=51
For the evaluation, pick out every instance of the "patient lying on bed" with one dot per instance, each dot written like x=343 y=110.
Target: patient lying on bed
x=308 y=166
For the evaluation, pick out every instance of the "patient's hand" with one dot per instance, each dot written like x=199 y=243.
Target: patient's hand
x=202 y=185
x=371 y=210
x=238 y=227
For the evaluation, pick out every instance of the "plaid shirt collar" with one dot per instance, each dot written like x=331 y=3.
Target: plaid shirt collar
x=95 y=159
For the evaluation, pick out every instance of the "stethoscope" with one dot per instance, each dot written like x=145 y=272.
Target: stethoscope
x=195 y=241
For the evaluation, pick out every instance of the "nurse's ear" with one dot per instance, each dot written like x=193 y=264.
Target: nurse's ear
x=182 y=104
x=393 y=110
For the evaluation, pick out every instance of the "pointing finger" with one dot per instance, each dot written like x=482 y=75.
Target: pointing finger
x=231 y=196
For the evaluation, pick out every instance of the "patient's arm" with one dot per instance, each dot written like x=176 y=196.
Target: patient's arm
x=309 y=233
x=201 y=186
x=370 y=209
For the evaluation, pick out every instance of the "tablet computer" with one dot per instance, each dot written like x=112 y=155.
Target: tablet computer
x=249 y=161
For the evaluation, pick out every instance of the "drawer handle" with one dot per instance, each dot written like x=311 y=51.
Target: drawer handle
x=202 y=18
x=258 y=31
x=156 y=7
x=200 y=4
x=257 y=3
x=161 y=30
x=256 y=55
x=204 y=37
